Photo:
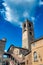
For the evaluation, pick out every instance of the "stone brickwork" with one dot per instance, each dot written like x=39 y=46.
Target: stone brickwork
x=37 y=52
x=2 y=46
x=27 y=34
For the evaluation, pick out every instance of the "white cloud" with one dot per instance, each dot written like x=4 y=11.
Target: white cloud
x=5 y=4
x=28 y=0
x=12 y=17
x=15 y=18
x=40 y=2
x=8 y=15
x=20 y=24
x=21 y=1
x=32 y=18
x=17 y=1
x=25 y=14
x=16 y=21
x=7 y=8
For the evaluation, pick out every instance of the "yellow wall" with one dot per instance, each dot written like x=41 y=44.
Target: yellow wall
x=28 y=59
x=16 y=51
x=38 y=48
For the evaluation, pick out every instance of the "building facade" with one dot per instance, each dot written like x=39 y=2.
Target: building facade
x=2 y=46
x=18 y=54
x=28 y=59
x=37 y=52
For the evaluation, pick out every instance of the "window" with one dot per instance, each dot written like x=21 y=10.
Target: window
x=33 y=44
x=4 y=56
x=3 y=63
x=35 y=56
x=13 y=58
x=7 y=63
x=30 y=33
x=29 y=25
x=0 y=59
x=24 y=27
x=27 y=61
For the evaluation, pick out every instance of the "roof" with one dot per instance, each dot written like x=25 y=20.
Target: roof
x=6 y=53
x=37 y=39
x=16 y=47
x=22 y=50
x=27 y=21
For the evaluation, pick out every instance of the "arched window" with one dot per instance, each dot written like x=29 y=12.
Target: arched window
x=35 y=56
x=3 y=63
x=24 y=27
x=30 y=25
x=7 y=63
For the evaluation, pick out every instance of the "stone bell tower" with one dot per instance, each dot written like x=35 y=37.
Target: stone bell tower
x=2 y=46
x=27 y=34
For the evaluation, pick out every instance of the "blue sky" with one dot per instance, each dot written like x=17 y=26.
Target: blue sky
x=16 y=12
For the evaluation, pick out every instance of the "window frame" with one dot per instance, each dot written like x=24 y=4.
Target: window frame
x=35 y=56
